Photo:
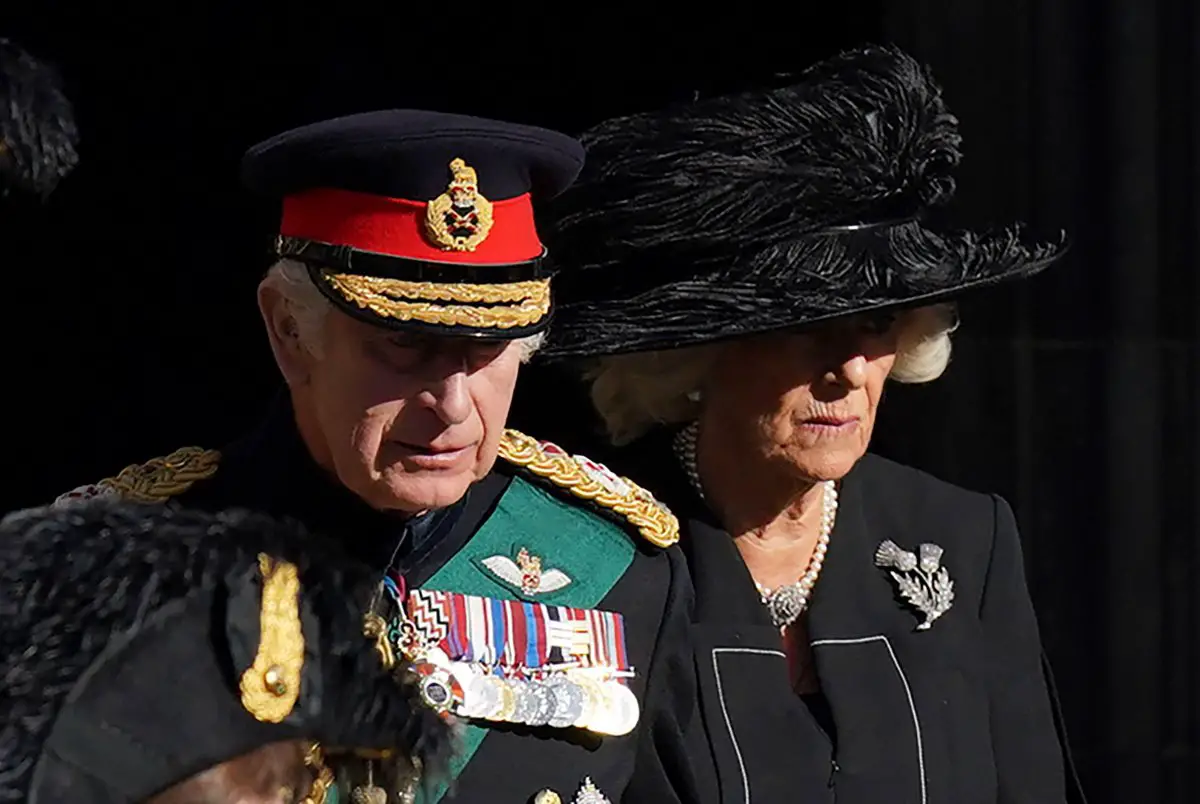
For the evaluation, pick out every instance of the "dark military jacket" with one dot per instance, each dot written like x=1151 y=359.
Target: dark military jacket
x=609 y=539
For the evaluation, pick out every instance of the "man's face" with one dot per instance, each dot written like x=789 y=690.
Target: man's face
x=407 y=422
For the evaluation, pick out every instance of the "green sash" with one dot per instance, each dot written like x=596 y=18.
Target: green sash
x=593 y=552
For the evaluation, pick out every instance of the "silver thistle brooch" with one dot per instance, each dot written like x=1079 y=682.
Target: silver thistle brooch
x=923 y=582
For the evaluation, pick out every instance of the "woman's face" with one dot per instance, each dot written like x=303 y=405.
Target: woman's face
x=804 y=400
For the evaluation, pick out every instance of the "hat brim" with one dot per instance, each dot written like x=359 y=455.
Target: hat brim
x=811 y=280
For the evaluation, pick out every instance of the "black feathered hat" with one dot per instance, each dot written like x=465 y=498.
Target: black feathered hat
x=769 y=210
x=37 y=125
x=142 y=645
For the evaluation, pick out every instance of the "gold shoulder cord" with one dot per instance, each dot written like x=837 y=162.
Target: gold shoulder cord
x=656 y=524
x=271 y=686
x=162 y=478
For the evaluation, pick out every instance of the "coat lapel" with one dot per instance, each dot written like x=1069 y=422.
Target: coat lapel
x=881 y=746
x=765 y=743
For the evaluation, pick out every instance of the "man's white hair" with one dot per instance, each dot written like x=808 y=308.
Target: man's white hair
x=308 y=307
x=634 y=392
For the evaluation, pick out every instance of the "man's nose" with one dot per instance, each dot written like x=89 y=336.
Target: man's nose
x=449 y=397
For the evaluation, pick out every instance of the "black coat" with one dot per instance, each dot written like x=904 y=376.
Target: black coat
x=960 y=713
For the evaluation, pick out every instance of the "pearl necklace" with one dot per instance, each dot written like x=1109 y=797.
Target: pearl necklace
x=786 y=603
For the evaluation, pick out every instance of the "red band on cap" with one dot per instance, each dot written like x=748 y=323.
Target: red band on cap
x=396 y=226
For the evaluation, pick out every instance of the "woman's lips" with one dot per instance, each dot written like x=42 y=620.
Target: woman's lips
x=830 y=425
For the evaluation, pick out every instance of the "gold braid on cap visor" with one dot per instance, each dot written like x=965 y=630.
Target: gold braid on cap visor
x=514 y=304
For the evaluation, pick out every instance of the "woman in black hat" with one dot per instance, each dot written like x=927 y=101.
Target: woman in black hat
x=753 y=269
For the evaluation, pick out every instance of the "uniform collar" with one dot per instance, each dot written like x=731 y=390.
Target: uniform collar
x=285 y=480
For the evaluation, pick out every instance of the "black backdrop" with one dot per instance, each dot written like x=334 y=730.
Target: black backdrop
x=129 y=318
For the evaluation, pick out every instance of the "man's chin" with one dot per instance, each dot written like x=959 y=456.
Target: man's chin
x=414 y=493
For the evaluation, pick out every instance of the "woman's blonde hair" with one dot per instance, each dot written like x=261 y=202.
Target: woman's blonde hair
x=634 y=392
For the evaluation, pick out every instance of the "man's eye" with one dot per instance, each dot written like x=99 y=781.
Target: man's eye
x=484 y=353
x=407 y=342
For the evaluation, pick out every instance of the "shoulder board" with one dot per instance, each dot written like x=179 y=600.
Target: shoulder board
x=593 y=481
x=153 y=481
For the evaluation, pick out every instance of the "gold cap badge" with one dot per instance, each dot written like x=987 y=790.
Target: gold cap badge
x=460 y=218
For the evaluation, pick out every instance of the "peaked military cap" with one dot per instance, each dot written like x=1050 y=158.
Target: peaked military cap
x=143 y=645
x=37 y=124
x=420 y=220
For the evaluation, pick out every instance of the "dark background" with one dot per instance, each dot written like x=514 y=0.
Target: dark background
x=128 y=302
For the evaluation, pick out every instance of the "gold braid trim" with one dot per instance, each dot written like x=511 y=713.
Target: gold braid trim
x=323 y=776
x=162 y=478
x=519 y=304
x=591 y=481
x=456 y=292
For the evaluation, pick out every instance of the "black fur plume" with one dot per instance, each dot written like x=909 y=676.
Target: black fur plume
x=75 y=580
x=38 y=136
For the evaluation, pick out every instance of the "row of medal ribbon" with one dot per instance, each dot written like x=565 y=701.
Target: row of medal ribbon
x=517 y=662
x=514 y=632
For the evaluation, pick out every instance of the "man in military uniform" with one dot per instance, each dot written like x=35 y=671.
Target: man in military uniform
x=535 y=593
x=166 y=656
x=37 y=125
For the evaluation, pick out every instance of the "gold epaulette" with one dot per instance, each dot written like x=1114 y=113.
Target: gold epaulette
x=589 y=480
x=153 y=481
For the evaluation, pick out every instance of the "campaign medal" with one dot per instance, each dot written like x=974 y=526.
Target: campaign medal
x=569 y=701
x=593 y=701
x=541 y=705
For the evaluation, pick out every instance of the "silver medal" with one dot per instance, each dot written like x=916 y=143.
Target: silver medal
x=476 y=700
x=568 y=701
x=543 y=708
x=626 y=705
x=526 y=704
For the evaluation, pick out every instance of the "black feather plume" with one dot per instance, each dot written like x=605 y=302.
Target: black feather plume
x=729 y=215
x=77 y=579
x=38 y=136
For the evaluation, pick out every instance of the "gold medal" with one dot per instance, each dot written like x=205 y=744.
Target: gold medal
x=604 y=718
x=508 y=703
x=593 y=699
x=617 y=712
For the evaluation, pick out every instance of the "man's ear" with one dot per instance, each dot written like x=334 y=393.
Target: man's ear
x=283 y=331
